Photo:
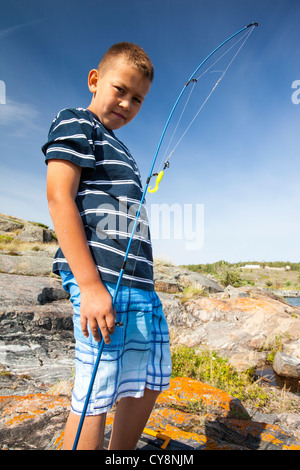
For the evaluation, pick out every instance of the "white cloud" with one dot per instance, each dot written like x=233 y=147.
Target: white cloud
x=14 y=112
x=4 y=33
x=19 y=119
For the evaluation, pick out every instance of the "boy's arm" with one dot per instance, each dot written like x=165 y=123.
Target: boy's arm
x=96 y=303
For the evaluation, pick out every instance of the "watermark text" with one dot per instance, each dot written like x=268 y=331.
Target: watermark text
x=178 y=222
x=168 y=222
x=2 y=92
x=296 y=94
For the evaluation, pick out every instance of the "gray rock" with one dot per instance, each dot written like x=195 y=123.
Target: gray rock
x=235 y=292
x=241 y=328
x=24 y=230
x=9 y=226
x=17 y=290
x=30 y=264
x=168 y=277
x=286 y=366
x=199 y=280
x=50 y=294
x=31 y=233
x=36 y=328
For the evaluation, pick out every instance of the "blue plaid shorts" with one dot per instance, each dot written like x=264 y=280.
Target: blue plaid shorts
x=138 y=356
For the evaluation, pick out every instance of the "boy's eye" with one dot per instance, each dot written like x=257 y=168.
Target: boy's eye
x=122 y=92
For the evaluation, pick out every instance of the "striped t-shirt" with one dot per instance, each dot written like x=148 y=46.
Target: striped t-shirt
x=108 y=196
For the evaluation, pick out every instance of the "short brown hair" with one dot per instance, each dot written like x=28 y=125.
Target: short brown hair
x=135 y=55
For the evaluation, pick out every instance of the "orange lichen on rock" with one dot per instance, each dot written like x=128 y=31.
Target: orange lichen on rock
x=179 y=435
x=16 y=409
x=186 y=428
x=244 y=304
x=184 y=390
x=266 y=436
x=110 y=418
x=193 y=414
x=215 y=431
x=185 y=421
x=59 y=441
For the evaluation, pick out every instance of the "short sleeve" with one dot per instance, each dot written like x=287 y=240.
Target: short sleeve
x=71 y=138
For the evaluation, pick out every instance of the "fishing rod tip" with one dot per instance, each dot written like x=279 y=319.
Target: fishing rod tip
x=252 y=24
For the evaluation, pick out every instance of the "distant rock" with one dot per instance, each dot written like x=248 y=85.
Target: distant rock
x=287 y=366
x=27 y=263
x=237 y=326
x=35 y=234
x=27 y=231
x=37 y=259
x=10 y=225
x=174 y=279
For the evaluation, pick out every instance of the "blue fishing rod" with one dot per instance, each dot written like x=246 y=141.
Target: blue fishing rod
x=159 y=177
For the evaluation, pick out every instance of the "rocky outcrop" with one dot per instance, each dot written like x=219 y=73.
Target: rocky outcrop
x=36 y=261
x=37 y=350
x=36 y=330
x=243 y=328
x=189 y=416
x=243 y=324
x=173 y=279
x=27 y=263
x=28 y=422
x=24 y=230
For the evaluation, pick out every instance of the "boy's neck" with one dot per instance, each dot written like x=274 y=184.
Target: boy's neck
x=93 y=114
x=96 y=117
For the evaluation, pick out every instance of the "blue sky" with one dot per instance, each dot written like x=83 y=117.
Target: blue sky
x=239 y=163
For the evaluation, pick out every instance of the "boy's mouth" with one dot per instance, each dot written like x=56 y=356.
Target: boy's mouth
x=119 y=116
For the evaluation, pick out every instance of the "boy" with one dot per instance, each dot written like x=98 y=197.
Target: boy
x=93 y=185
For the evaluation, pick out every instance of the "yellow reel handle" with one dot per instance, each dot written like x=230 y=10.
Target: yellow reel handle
x=158 y=180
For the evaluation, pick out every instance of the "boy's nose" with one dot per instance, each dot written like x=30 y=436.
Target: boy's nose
x=125 y=104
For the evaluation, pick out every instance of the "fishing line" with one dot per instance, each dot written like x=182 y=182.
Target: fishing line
x=165 y=160
x=179 y=120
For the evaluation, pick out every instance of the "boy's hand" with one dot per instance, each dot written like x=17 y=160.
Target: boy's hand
x=96 y=309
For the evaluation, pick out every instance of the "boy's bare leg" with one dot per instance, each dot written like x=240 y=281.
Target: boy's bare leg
x=131 y=417
x=92 y=433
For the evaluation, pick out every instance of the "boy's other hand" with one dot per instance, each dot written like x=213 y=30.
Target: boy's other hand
x=96 y=310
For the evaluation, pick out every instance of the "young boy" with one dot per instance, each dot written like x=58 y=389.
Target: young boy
x=93 y=187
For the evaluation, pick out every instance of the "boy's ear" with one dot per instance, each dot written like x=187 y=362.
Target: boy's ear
x=93 y=80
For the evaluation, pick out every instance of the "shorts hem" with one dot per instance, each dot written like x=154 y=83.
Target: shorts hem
x=107 y=408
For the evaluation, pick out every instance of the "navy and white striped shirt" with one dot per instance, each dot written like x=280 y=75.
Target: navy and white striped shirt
x=108 y=196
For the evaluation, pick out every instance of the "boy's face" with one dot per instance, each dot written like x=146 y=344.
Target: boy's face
x=118 y=93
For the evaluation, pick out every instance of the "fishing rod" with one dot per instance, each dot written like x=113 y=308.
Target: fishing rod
x=192 y=79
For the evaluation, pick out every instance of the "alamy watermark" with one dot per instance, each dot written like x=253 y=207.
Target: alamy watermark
x=296 y=94
x=2 y=92
x=178 y=222
x=168 y=222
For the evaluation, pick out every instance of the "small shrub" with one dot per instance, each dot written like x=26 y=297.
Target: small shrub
x=210 y=368
x=231 y=277
x=5 y=238
x=192 y=292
